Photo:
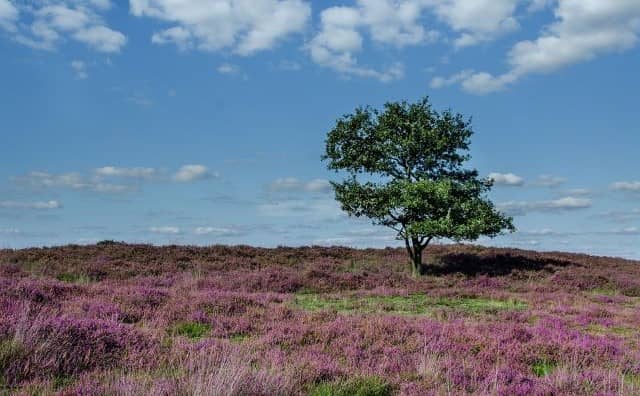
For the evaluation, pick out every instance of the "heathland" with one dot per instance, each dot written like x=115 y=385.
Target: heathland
x=120 y=319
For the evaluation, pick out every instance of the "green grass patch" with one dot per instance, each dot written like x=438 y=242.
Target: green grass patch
x=193 y=330
x=74 y=278
x=542 y=368
x=414 y=304
x=632 y=382
x=480 y=304
x=617 y=330
x=605 y=291
x=239 y=338
x=364 y=386
x=10 y=350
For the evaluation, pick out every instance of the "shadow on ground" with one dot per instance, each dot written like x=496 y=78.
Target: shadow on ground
x=494 y=265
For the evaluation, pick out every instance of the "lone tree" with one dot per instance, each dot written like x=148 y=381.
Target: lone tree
x=405 y=167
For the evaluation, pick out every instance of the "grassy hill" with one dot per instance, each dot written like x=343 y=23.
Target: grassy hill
x=119 y=319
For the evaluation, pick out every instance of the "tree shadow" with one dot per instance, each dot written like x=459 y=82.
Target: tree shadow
x=500 y=264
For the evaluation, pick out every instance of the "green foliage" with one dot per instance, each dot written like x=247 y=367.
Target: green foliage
x=543 y=367
x=193 y=330
x=363 y=386
x=405 y=168
x=414 y=304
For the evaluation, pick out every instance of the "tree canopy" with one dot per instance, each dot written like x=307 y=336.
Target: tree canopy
x=405 y=170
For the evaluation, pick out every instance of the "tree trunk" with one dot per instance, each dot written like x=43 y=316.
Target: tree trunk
x=415 y=252
x=418 y=268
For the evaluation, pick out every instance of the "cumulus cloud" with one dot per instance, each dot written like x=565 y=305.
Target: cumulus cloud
x=506 y=179
x=244 y=26
x=80 y=68
x=189 y=173
x=519 y=208
x=136 y=173
x=165 y=230
x=71 y=180
x=632 y=186
x=294 y=184
x=463 y=16
x=8 y=15
x=30 y=205
x=394 y=23
x=583 y=30
x=441 y=82
x=178 y=35
x=56 y=21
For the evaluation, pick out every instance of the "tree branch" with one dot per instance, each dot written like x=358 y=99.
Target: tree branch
x=426 y=243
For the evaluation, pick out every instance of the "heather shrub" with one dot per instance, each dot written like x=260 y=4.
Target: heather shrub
x=59 y=346
x=237 y=320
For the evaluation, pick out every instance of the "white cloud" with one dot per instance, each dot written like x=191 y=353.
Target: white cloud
x=551 y=181
x=314 y=209
x=8 y=15
x=633 y=186
x=218 y=232
x=517 y=208
x=140 y=99
x=80 y=68
x=55 y=21
x=71 y=180
x=627 y=231
x=101 y=38
x=441 y=82
x=244 y=26
x=293 y=184
x=583 y=30
x=9 y=231
x=227 y=68
x=181 y=37
x=395 y=23
x=188 y=173
x=506 y=179
x=165 y=230
x=541 y=232
x=579 y=192
x=30 y=205
x=320 y=185
x=621 y=216
x=477 y=20
x=135 y=173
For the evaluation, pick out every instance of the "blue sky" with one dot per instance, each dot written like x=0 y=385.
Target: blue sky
x=203 y=121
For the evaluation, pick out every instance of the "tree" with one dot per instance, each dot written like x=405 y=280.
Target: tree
x=405 y=171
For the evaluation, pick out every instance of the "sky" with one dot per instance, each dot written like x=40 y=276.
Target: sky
x=203 y=121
